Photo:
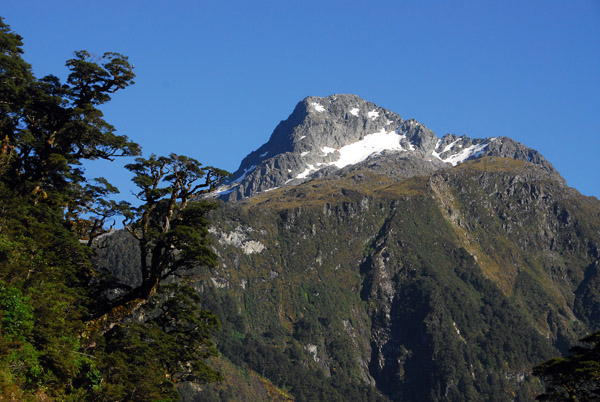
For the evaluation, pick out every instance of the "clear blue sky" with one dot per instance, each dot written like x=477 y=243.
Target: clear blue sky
x=214 y=78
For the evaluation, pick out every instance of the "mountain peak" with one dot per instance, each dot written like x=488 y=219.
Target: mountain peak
x=325 y=134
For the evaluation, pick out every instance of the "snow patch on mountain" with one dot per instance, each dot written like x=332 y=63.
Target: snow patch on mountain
x=305 y=174
x=371 y=144
x=246 y=171
x=454 y=153
x=318 y=108
x=469 y=152
x=359 y=151
x=328 y=150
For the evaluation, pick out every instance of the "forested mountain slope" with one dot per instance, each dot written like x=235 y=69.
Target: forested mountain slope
x=449 y=286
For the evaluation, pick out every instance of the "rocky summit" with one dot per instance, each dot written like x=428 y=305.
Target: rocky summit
x=324 y=135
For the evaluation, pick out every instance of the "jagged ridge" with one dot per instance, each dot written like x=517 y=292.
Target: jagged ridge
x=323 y=135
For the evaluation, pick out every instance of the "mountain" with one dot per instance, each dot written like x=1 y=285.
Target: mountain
x=323 y=135
x=449 y=286
x=362 y=258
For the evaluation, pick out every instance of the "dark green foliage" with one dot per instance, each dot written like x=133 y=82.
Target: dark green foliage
x=44 y=269
x=307 y=330
x=55 y=341
x=118 y=256
x=49 y=128
x=574 y=378
x=587 y=302
x=282 y=359
x=439 y=300
x=169 y=227
x=15 y=74
x=17 y=324
x=59 y=125
x=283 y=368
x=17 y=317
x=168 y=218
x=168 y=348
x=177 y=315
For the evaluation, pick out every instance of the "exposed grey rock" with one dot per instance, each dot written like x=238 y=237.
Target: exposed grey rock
x=421 y=137
x=509 y=148
x=307 y=144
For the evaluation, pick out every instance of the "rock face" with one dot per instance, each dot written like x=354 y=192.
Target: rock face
x=323 y=135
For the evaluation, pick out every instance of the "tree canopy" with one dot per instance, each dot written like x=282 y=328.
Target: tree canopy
x=66 y=331
x=575 y=377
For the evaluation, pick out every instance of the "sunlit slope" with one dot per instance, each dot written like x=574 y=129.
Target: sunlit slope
x=454 y=283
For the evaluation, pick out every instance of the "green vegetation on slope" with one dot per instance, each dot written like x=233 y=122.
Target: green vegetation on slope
x=450 y=287
x=68 y=332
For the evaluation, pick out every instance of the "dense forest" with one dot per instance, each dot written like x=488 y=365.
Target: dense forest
x=75 y=330
x=69 y=331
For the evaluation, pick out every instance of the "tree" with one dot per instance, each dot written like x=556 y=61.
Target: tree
x=173 y=339
x=574 y=378
x=169 y=346
x=15 y=78
x=57 y=338
x=49 y=128
x=60 y=125
x=170 y=226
